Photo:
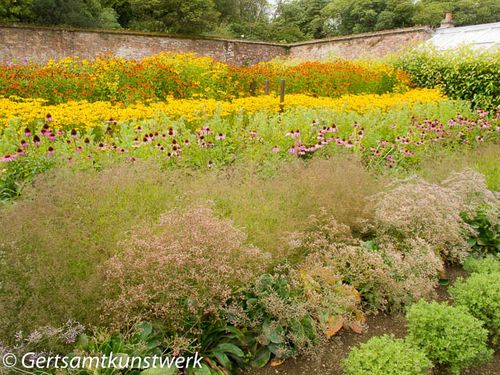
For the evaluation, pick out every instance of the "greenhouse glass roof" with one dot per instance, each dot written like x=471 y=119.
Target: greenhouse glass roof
x=477 y=36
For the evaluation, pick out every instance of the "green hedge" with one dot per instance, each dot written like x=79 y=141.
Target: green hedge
x=461 y=74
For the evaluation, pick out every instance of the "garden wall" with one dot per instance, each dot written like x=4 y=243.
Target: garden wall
x=41 y=44
x=375 y=44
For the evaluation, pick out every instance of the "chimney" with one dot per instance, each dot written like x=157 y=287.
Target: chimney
x=447 y=22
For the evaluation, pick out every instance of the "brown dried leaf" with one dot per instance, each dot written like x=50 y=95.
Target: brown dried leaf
x=334 y=325
x=277 y=362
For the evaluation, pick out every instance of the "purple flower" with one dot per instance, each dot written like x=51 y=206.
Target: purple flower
x=45 y=130
x=7 y=158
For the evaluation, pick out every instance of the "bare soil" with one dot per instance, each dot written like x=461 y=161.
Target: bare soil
x=327 y=359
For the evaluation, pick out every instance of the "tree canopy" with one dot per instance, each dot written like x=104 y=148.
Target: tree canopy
x=274 y=20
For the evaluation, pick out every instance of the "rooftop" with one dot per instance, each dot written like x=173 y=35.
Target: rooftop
x=477 y=36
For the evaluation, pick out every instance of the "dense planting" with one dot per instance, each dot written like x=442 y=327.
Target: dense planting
x=467 y=74
x=362 y=125
x=166 y=206
x=187 y=76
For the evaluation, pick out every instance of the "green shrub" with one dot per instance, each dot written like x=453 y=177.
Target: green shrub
x=448 y=335
x=483 y=265
x=480 y=295
x=463 y=74
x=385 y=355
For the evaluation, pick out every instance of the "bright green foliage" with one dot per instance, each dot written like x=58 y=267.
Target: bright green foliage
x=464 y=74
x=448 y=335
x=480 y=295
x=487 y=264
x=384 y=355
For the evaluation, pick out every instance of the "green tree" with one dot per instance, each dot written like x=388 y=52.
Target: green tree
x=123 y=10
x=16 y=11
x=174 y=16
x=465 y=12
x=81 y=13
x=358 y=16
x=243 y=17
x=300 y=19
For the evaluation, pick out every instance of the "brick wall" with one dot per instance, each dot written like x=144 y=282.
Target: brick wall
x=367 y=45
x=41 y=44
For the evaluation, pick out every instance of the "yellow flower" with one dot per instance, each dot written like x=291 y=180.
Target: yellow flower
x=82 y=114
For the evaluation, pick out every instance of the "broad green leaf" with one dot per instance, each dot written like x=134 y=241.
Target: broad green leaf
x=229 y=348
x=261 y=358
x=223 y=359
